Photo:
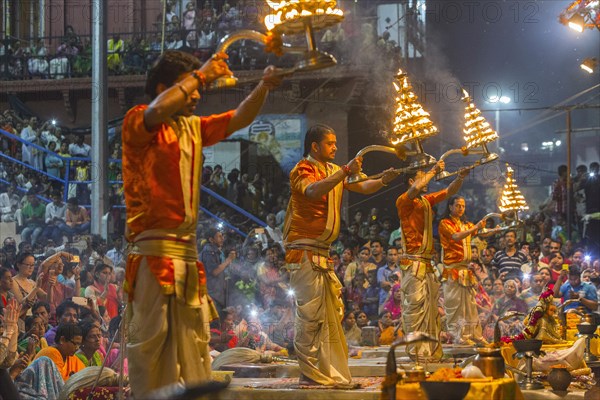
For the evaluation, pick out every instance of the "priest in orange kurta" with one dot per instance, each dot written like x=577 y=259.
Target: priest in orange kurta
x=460 y=284
x=312 y=223
x=169 y=308
x=420 y=287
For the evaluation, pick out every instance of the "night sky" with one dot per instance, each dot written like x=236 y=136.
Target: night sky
x=520 y=48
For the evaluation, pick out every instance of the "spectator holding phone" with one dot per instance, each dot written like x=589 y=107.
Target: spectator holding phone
x=52 y=267
x=102 y=292
x=573 y=288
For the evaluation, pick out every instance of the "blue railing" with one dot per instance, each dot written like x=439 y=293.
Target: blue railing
x=66 y=181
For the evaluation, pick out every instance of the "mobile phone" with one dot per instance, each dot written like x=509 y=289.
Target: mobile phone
x=80 y=301
x=75 y=259
x=565 y=267
x=259 y=231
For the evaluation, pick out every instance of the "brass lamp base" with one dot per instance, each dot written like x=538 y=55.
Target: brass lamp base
x=422 y=160
x=317 y=21
x=314 y=60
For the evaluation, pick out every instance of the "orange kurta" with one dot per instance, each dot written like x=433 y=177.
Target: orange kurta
x=412 y=220
x=66 y=367
x=307 y=218
x=455 y=251
x=162 y=177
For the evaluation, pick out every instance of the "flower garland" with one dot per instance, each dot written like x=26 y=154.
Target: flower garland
x=532 y=319
x=274 y=44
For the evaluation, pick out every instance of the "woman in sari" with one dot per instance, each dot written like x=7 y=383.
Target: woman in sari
x=351 y=331
x=89 y=353
x=102 y=292
x=394 y=304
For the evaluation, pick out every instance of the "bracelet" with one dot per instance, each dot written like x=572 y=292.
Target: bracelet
x=183 y=90
x=346 y=170
x=383 y=183
x=200 y=77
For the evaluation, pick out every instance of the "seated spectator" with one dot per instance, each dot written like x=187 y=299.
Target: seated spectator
x=33 y=214
x=224 y=338
x=388 y=332
x=135 y=55
x=510 y=301
x=37 y=63
x=9 y=203
x=355 y=294
x=62 y=353
x=351 y=331
x=35 y=329
x=394 y=303
x=77 y=220
x=569 y=287
x=66 y=313
x=52 y=267
x=371 y=299
x=60 y=65
x=26 y=291
x=102 y=292
x=532 y=294
x=42 y=309
x=115 y=48
x=55 y=218
x=254 y=338
x=89 y=351
x=207 y=38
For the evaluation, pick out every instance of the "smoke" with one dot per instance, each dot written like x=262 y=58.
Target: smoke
x=441 y=91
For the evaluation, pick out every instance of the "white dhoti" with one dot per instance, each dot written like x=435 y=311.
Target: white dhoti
x=420 y=293
x=462 y=317
x=320 y=343
x=167 y=339
x=168 y=330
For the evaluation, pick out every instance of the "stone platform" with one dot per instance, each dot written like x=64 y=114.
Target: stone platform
x=263 y=381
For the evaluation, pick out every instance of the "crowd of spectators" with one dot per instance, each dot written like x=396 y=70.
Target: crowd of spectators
x=194 y=29
x=250 y=288
x=32 y=180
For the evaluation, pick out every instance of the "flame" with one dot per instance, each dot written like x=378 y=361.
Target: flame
x=291 y=10
x=477 y=130
x=411 y=121
x=511 y=199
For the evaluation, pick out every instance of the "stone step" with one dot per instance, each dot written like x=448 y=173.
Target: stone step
x=239 y=390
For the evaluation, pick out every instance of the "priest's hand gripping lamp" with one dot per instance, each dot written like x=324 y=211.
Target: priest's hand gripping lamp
x=289 y=17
